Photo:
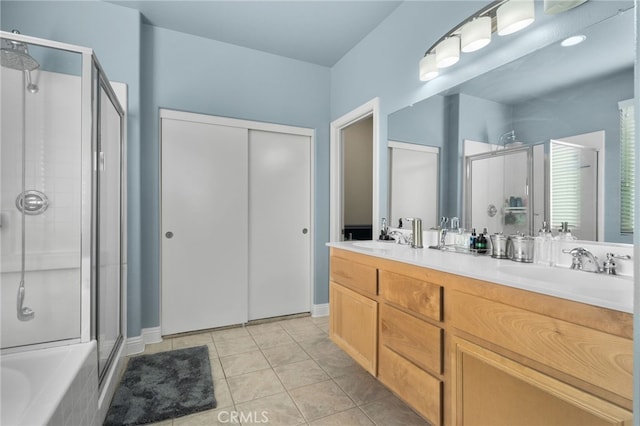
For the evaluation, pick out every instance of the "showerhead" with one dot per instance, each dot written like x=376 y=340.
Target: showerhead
x=15 y=55
x=18 y=59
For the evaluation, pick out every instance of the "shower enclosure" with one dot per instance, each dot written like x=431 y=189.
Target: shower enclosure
x=504 y=190
x=61 y=205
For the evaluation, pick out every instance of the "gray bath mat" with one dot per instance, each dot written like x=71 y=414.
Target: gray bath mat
x=163 y=386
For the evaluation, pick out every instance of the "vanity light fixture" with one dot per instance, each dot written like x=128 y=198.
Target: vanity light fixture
x=573 y=40
x=475 y=34
x=515 y=15
x=448 y=52
x=428 y=67
x=552 y=7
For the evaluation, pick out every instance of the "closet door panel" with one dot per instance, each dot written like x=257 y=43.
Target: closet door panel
x=204 y=233
x=279 y=224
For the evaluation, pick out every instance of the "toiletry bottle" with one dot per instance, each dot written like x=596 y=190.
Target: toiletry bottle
x=481 y=242
x=472 y=239
x=542 y=246
x=564 y=233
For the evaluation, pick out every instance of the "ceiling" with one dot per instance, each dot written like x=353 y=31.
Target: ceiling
x=316 y=31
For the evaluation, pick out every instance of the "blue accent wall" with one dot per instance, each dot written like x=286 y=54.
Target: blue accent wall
x=195 y=74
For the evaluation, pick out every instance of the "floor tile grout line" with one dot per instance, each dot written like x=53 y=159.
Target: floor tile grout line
x=272 y=367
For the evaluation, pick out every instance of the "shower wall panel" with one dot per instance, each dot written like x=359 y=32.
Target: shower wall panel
x=52 y=133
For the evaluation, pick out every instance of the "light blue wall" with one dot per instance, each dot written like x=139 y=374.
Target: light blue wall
x=114 y=34
x=189 y=73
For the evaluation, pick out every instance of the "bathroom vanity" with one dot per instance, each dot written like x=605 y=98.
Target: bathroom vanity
x=473 y=340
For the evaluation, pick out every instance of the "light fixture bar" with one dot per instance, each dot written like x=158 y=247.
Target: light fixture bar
x=489 y=10
x=500 y=16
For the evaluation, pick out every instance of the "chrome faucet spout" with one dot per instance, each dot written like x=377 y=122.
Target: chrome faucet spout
x=584 y=260
x=400 y=237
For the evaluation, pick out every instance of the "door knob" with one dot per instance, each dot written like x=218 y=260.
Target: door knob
x=169 y=234
x=305 y=230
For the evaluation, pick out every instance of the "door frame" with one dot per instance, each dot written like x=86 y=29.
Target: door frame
x=369 y=109
x=251 y=125
x=591 y=140
x=391 y=145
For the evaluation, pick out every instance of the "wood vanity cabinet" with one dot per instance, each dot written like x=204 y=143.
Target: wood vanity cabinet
x=353 y=314
x=411 y=341
x=461 y=351
x=512 y=365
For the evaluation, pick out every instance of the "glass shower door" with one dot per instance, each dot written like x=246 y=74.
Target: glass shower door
x=109 y=244
x=498 y=191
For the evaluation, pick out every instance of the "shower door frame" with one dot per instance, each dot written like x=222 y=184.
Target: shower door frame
x=468 y=181
x=89 y=216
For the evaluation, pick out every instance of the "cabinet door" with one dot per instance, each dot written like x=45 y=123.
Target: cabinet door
x=353 y=325
x=490 y=389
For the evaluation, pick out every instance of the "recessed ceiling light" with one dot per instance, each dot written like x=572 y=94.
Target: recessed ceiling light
x=573 y=40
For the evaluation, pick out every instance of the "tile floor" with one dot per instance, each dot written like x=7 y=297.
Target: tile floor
x=288 y=373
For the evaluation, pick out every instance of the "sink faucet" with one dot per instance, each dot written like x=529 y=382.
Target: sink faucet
x=584 y=260
x=443 y=230
x=400 y=237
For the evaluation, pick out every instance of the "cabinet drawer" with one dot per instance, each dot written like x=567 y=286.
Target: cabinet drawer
x=417 y=296
x=419 y=389
x=354 y=275
x=416 y=340
x=599 y=358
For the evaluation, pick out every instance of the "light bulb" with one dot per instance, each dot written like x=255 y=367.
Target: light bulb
x=448 y=52
x=428 y=68
x=515 y=15
x=476 y=34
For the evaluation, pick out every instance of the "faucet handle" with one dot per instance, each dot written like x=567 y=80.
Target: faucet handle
x=617 y=256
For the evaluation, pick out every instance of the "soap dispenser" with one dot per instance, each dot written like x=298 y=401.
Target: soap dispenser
x=543 y=246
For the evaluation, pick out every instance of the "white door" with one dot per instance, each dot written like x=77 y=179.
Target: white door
x=414 y=183
x=279 y=224
x=204 y=225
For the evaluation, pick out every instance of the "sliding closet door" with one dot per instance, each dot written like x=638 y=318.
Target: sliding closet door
x=204 y=232
x=279 y=224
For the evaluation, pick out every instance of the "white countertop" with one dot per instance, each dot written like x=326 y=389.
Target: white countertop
x=613 y=292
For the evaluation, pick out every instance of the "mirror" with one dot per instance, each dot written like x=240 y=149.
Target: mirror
x=553 y=94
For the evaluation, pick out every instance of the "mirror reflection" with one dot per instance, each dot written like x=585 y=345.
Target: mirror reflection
x=539 y=139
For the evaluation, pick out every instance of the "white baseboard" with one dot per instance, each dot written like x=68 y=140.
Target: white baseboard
x=321 y=310
x=136 y=344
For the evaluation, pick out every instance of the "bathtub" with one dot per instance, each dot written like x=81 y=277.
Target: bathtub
x=55 y=386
